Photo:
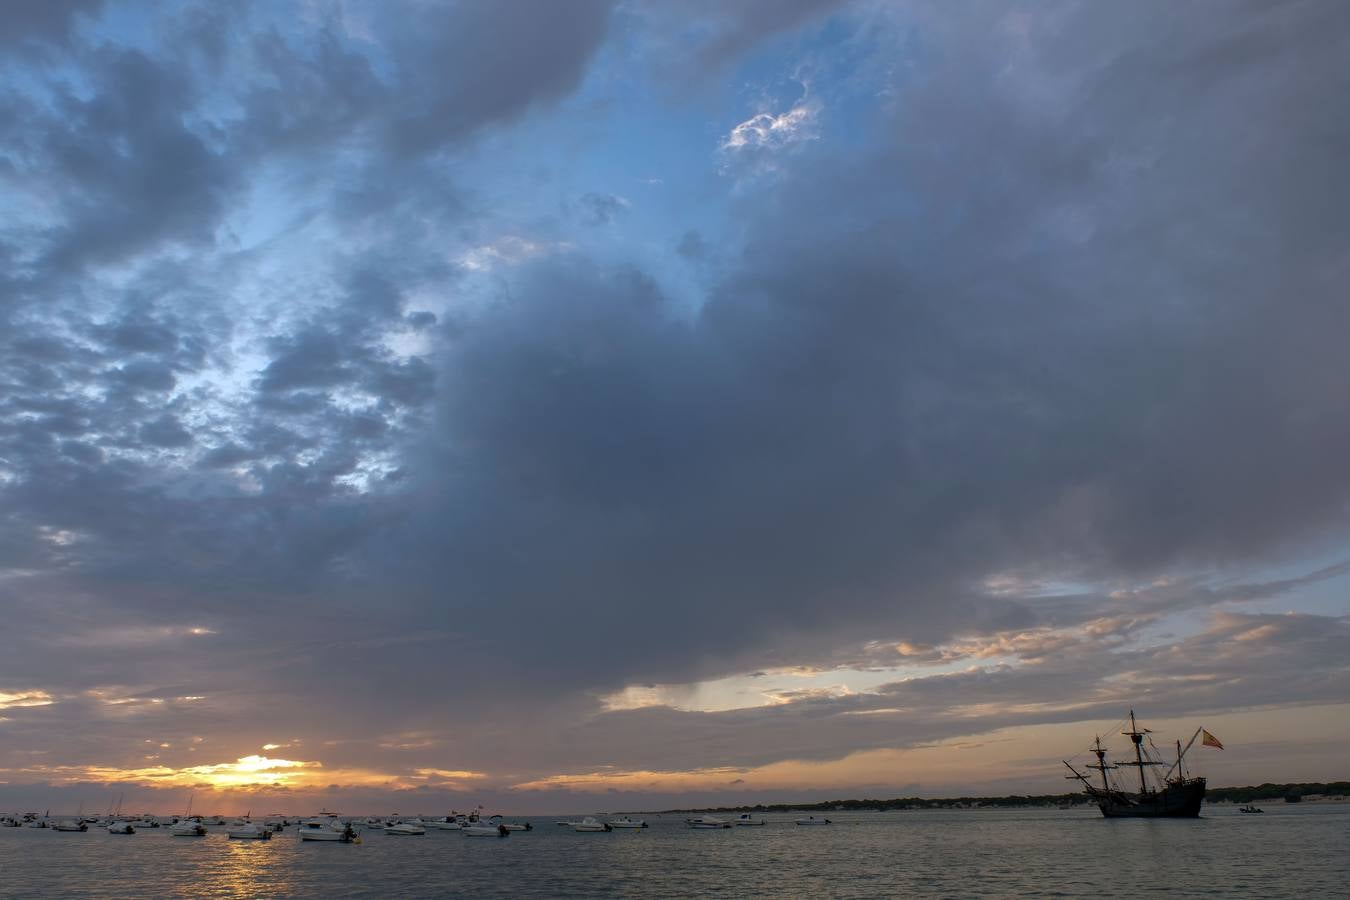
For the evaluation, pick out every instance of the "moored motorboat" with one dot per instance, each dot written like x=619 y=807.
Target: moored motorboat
x=188 y=828
x=484 y=829
x=70 y=825
x=445 y=823
x=121 y=828
x=248 y=831
x=747 y=819
x=404 y=828
x=591 y=823
x=812 y=820
x=707 y=822
x=627 y=822
x=517 y=826
x=327 y=829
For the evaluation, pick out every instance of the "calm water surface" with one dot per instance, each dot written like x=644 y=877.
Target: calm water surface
x=1291 y=851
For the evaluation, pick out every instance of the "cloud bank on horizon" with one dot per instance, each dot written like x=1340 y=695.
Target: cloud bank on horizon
x=520 y=399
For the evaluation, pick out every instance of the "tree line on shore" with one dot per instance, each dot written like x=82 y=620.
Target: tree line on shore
x=1267 y=791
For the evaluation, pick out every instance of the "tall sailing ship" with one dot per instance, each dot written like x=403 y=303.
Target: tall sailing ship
x=1165 y=790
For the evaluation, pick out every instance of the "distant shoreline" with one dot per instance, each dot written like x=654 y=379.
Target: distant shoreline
x=1335 y=791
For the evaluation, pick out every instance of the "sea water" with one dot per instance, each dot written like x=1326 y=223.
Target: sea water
x=1291 y=851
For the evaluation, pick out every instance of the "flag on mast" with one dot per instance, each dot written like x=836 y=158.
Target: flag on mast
x=1210 y=740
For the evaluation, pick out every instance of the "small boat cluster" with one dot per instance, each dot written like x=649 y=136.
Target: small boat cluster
x=184 y=826
x=332 y=827
x=745 y=819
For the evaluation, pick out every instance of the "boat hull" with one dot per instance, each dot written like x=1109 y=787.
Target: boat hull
x=317 y=835
x=1179 y=800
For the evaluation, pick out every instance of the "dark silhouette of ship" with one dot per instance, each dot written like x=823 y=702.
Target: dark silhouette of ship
x=1169 y=794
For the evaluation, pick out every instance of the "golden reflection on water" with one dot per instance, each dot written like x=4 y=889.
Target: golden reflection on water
x=251 y=869
x=236 y=869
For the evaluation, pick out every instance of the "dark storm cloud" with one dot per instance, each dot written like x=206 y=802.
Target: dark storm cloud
x=1039 y=326
x=130 y=172
x=468 y=65
x=692 y=246
x=601 y=209
x=714 y=33
x=50 y=21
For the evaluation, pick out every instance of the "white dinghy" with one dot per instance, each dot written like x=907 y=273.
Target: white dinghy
x=626 y=822
x=248 y=831
x=706 y=822
x=591 y=823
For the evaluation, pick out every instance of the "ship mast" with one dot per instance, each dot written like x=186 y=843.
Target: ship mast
x=1101 y=765
x=1138 y=737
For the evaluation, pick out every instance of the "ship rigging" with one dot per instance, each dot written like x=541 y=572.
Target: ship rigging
x=1171 y=794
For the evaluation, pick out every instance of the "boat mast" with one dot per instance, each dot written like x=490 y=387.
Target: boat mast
x=1181 y=756
x=1138 y=737
x=1101 y=765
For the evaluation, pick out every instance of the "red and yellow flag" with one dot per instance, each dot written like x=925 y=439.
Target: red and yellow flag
x=1210 y=740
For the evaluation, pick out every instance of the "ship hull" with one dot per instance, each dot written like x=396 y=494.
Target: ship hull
x=1179 y=800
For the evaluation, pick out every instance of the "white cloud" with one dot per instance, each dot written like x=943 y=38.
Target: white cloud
x=766 y=131
x=509 y=249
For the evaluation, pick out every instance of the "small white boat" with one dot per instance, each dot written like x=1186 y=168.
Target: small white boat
x=404 y=828
x=121 y=828
x=70 y=825
x=444 y=824
x=327 y=829
x=707 y=822
x=591 y=823
x=515 y=826
x=248 y=831
x=35 y=823
x=484 y=829
x=188 y=828
x=812 y=820
x=626 y=822
x=747 y=819
x=147 y=821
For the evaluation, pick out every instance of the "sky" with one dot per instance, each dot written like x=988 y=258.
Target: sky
x=589 y=405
